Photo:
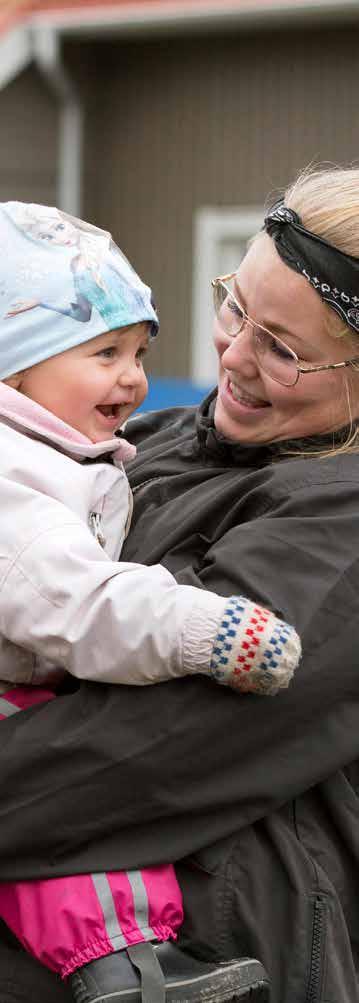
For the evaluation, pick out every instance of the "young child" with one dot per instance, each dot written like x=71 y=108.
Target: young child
x=75 y=324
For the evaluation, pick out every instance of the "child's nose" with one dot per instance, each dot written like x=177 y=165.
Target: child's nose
x=129 y=373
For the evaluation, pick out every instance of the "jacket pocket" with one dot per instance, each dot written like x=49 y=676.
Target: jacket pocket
x=214 y=858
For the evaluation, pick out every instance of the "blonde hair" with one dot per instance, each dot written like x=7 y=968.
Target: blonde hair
x=327 y=200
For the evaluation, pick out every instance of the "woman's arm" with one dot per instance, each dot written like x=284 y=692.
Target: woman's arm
x=122 y=777
x=127 y=777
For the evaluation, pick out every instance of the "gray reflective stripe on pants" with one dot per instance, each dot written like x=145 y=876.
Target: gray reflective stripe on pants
x=105 y=897
x=140 y=900
x=106 y=900
x=7 y=708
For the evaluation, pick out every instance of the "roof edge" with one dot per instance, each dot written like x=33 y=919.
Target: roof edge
x=105 y=18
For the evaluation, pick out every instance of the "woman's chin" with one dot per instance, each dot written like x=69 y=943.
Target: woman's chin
x=235 y=427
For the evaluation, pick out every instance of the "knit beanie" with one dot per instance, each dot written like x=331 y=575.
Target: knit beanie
x=62 y=282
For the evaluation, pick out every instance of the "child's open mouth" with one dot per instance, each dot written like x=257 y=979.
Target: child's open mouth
x=110 y=411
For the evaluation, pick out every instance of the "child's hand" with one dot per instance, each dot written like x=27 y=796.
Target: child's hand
x=254 y=651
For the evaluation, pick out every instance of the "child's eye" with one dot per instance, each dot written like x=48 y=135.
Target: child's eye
x=141 y=353
x=107 y=353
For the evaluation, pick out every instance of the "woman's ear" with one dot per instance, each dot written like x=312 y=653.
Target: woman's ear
x=15 y=381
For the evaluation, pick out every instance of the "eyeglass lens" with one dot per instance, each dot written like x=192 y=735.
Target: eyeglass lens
x=273 y=355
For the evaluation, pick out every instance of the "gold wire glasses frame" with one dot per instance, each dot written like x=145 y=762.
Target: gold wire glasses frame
x=275 y=357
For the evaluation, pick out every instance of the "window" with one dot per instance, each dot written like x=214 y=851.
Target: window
x=220 y=240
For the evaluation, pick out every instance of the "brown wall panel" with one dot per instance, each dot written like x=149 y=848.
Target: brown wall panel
x=28 y=147
x=211 y=121
x=29 y=120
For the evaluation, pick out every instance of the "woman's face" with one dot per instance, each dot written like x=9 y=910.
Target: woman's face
x=251 y=407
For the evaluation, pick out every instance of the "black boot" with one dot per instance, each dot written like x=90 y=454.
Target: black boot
x=162 y=973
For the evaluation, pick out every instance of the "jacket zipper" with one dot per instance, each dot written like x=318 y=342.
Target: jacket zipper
x=314 y=985
x=95 y=519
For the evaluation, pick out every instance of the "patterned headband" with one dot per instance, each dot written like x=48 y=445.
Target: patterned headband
x=334 y=275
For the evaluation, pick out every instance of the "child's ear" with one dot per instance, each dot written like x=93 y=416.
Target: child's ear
x=15 y=381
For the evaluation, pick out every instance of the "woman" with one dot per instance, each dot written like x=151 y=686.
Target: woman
x=257 y=492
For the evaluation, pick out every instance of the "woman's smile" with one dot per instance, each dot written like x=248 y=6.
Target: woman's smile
x=242 y=397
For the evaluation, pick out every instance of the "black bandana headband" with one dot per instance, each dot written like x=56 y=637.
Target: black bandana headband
x=334 y=275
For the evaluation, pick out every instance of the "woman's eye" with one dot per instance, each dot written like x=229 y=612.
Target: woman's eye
x=141 y=353
x=280 y=350
x=234 y=308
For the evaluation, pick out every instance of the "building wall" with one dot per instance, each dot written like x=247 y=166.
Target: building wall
x=181 y=123
x=212 y=121
x=28 y=140
x=29 y=120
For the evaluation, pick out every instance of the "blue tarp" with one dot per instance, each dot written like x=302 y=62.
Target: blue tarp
x=172 y=393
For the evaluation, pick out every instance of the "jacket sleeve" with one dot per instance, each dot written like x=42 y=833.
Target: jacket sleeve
x=62 y=598
x=291 y=556
x=160 y=774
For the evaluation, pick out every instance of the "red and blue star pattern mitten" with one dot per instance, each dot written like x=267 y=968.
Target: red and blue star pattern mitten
x=254 y=651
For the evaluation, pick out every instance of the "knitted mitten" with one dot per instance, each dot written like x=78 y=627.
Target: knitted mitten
x=254 y=651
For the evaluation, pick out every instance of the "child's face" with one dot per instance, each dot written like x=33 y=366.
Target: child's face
x=93 y=387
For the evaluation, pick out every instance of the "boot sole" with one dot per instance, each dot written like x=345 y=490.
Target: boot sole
x=256 y=993
x=250 y=984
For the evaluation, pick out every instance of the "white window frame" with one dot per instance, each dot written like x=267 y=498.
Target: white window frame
x=211 y=228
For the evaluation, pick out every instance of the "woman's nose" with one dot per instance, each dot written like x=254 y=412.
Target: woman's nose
x=240 y=355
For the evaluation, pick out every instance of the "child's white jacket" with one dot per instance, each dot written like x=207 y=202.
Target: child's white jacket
x=66 y=604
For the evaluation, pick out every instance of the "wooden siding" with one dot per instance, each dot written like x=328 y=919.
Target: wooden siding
x=208 y=122
x=28 y=147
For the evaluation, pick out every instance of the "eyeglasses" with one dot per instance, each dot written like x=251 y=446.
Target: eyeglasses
x=272 y=354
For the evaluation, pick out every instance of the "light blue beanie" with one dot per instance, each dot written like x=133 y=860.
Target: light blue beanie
x=62 y=282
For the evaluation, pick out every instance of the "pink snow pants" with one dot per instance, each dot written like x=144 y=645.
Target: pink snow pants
x=66 y=922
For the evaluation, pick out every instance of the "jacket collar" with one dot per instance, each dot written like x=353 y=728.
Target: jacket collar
x=214 y=443
x=31 y=419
